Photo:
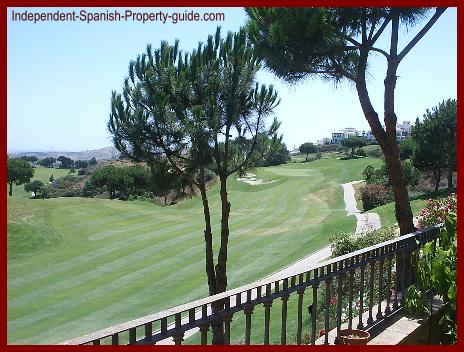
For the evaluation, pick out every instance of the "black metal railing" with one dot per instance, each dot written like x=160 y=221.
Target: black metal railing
x=356 y=290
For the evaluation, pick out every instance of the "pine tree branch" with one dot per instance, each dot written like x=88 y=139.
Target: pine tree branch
x=339 y=69
x=394 y=34
x=380 y=31
x=383 y=52
x=348 y=38
x=439 y=11
x=363 y=26
x=371 y=32
x=253 y=146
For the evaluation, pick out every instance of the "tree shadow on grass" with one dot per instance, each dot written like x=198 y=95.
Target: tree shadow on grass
x=352 y=157
x=438 y=194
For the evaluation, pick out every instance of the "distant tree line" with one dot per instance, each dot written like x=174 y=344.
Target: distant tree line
x=65 y=162
x=126 y=182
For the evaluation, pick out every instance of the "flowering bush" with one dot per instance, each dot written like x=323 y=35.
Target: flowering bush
x=373 y=196
x=436 y=210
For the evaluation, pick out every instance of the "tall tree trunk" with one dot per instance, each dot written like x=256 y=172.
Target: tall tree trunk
x=209 y=255
x=402 y=206
x=221 y=266
x=450 y=178
x=437 y=175
x=392 y=155
x=390 y=149
x=10 y=192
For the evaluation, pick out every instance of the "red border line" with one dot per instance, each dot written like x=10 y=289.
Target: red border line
x=224 y=3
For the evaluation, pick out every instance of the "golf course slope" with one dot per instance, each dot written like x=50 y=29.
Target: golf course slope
x=76 y=265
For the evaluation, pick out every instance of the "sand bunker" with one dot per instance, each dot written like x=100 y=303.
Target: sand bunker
x=252 y=180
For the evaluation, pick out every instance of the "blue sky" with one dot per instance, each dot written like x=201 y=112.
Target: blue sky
x=61 y=74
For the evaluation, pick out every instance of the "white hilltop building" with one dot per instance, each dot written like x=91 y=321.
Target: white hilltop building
x=403 y=131
x=339 y=135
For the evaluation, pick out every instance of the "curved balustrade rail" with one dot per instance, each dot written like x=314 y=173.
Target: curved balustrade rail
x=372 y=280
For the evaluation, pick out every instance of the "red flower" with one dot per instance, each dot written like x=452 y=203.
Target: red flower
x=333 y=300
x=321 y=332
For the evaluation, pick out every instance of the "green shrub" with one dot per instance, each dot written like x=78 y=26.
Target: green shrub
x=435 y=266
x=380 y=176
x=89 y=190
x=416 y=303
x=123 y=196
x=373 y=196
x=407 y=148
x=374 y=152
x=45 y=192
x=411 y=175
x=343 y=243
x=374 y=237
x=329 y=148
x=70 y=194
x=360 y=152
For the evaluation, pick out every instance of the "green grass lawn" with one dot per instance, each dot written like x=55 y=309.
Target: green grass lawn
x=387 y=211
x=76 y=265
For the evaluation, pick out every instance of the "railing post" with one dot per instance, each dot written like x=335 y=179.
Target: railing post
x=267 y=316
x=248 y=310
x=227 y=320
x=403 y=276
x=283 y=332
x=299 y=326
x=115 y=339
x=132 y=336
x=314 y=310
x=148 y=330
x=389 y=279
x=370 y=320
x=204 y=333
x=328 y=282
x=381 y=289
x=361 y=296
x=350 y=305
x=339 y=304
x=396 y=287
x=178 y=335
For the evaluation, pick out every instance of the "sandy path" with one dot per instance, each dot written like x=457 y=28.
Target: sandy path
x=365 y=222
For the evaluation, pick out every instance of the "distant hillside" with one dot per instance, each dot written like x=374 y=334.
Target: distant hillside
x=106 y=153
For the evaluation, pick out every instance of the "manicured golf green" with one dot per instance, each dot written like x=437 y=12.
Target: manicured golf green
x=76 y=265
